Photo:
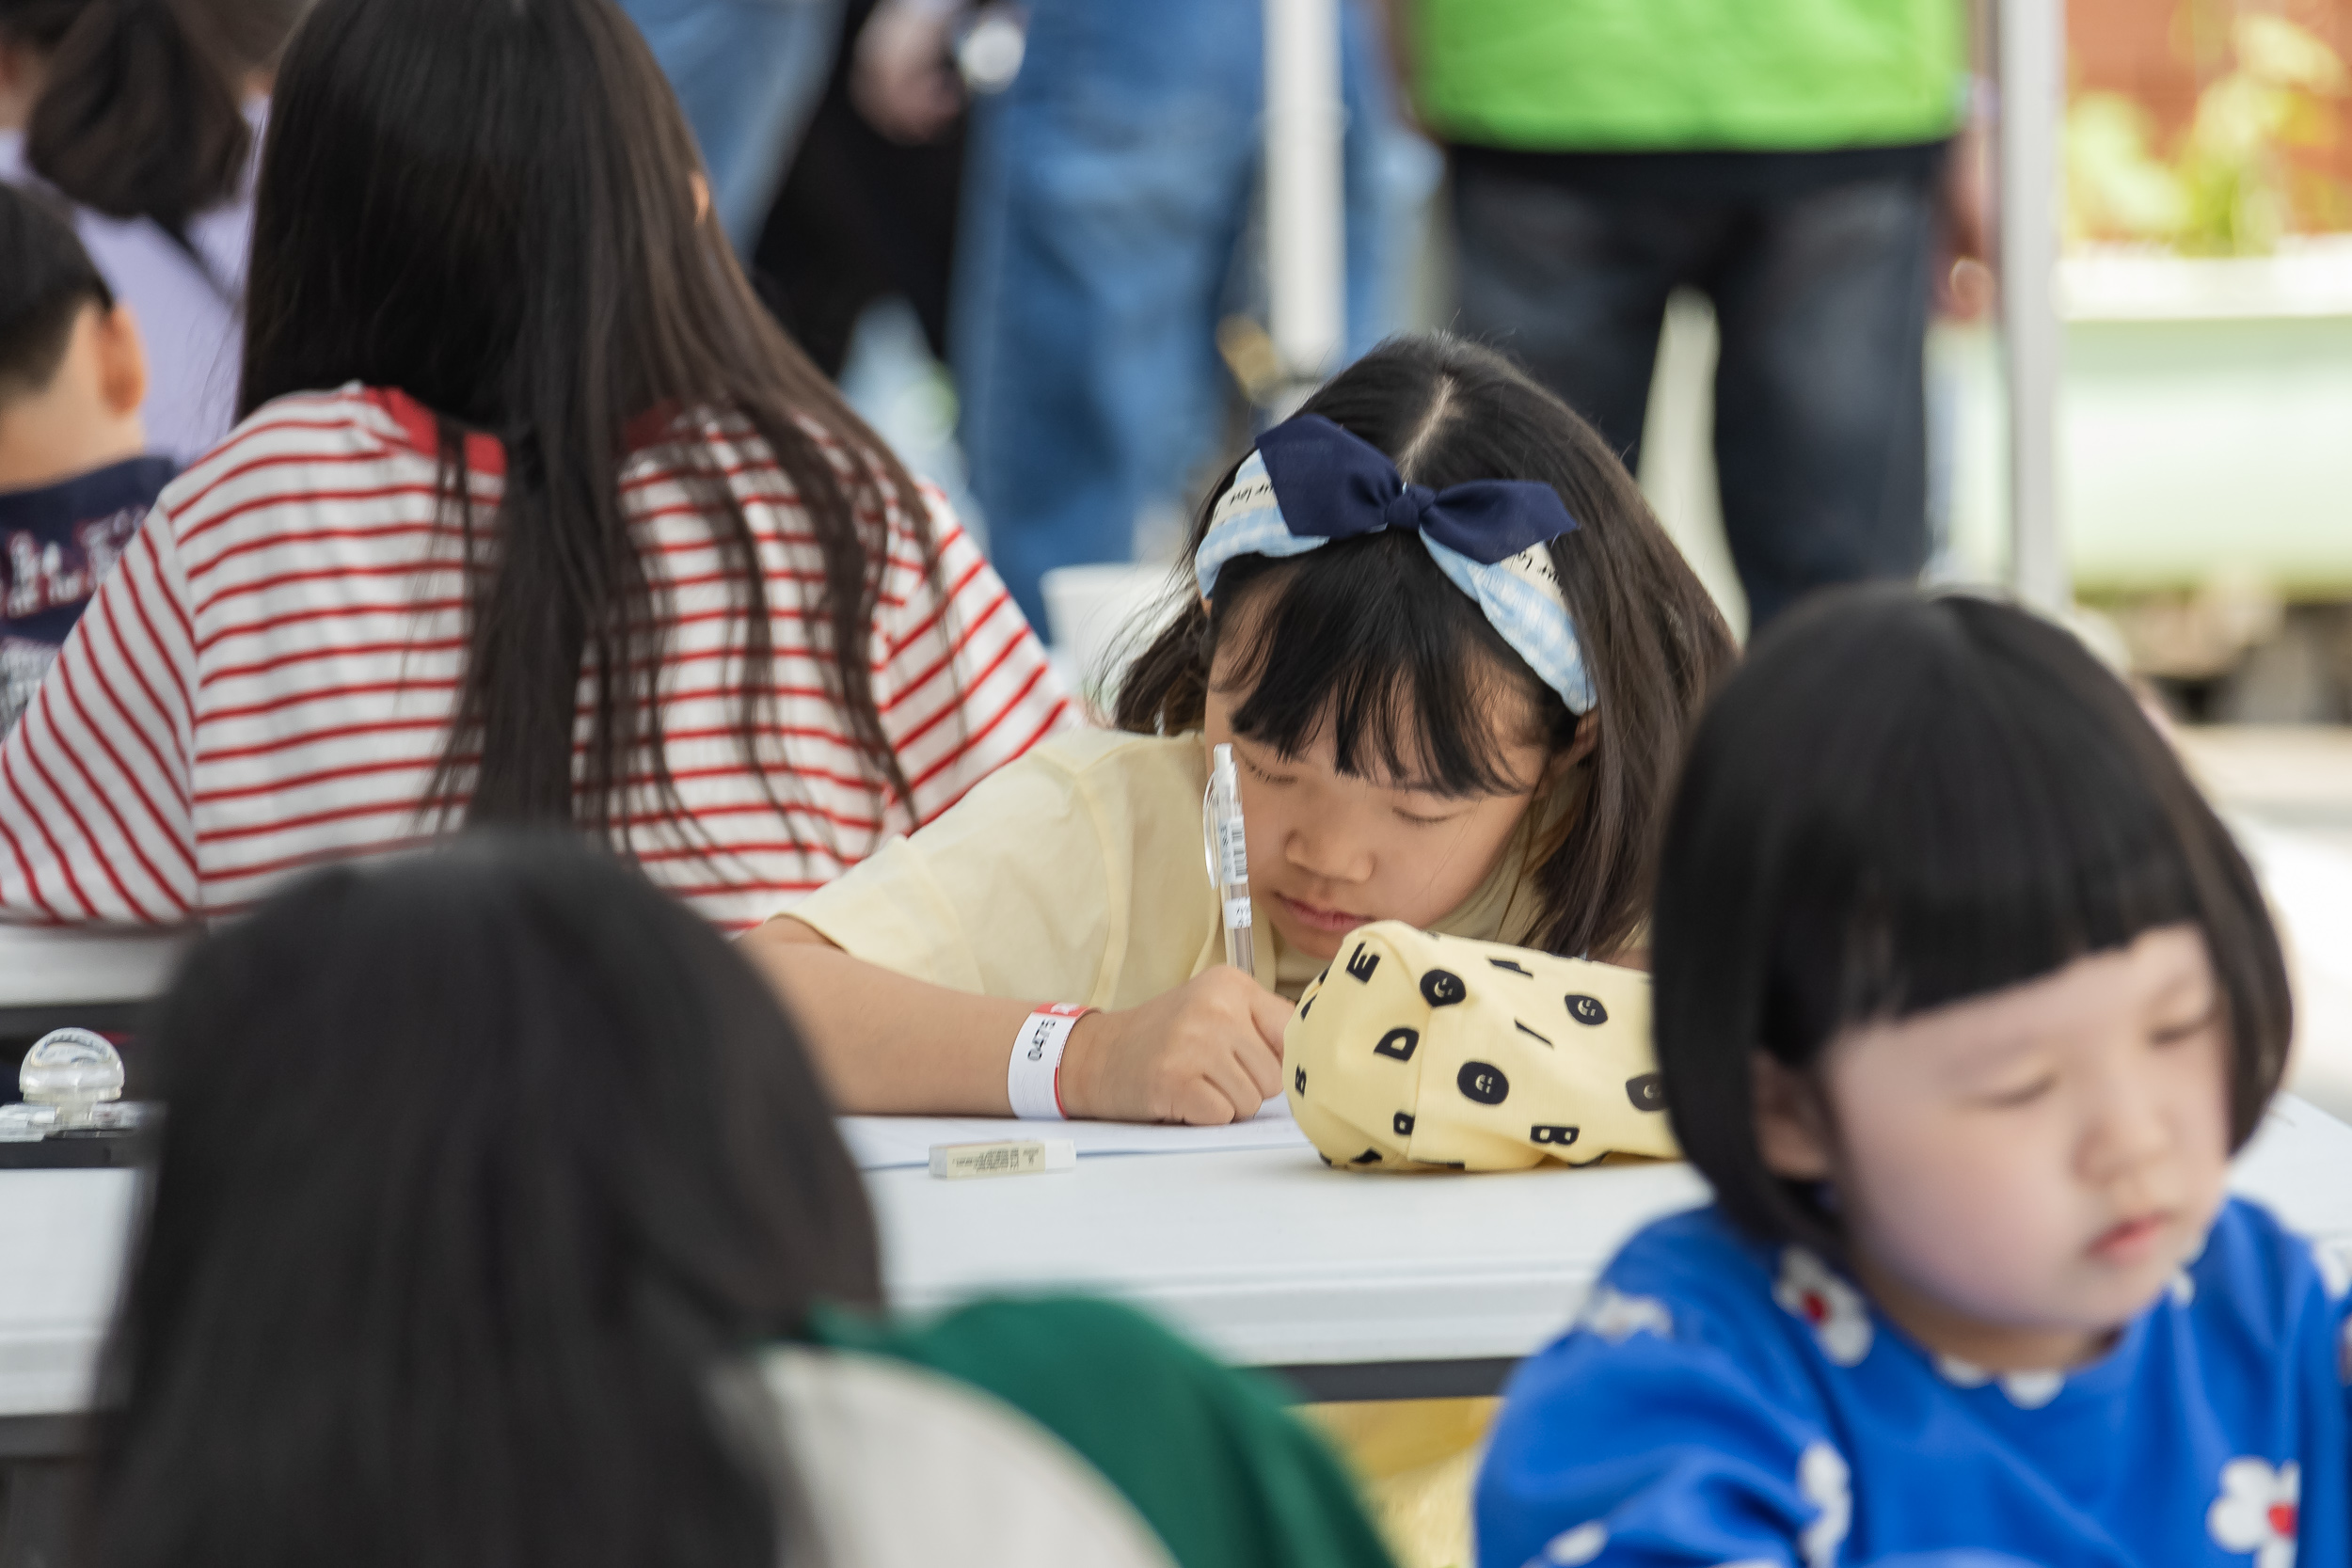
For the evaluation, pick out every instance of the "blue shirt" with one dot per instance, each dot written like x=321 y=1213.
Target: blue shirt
x=1724 y=1401
x=56 y=542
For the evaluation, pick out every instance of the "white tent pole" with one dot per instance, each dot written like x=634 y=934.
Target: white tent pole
x=2032 y=60
x=1305 y=196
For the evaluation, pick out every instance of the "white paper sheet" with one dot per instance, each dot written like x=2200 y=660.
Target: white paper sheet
x=887 y=1143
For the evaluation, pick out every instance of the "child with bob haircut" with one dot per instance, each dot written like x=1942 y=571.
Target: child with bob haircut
x=1454 y=656
x=1964 y=1000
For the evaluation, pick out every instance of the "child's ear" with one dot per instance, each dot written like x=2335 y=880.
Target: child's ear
x=1587 y=741
x=1791 y=1131
x=121 y=360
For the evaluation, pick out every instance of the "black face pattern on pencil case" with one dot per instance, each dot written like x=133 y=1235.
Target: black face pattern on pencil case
x=1417 y=1052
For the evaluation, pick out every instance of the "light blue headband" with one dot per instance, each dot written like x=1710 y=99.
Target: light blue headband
x=1311 y=483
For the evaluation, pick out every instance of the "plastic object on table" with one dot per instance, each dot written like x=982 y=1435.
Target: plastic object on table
x=73 y=1113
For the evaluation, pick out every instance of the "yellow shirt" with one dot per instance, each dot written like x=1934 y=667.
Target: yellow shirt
x=1077 y=874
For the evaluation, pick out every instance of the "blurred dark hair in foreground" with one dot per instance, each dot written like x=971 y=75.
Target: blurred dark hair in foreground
x=479 y=1165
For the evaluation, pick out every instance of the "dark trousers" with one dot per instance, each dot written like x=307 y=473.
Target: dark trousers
x=1819 y=267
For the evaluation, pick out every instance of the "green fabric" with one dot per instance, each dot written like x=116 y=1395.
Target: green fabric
x=1208 y=1456
x=1657 y=75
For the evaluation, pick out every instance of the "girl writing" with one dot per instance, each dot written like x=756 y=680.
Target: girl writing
x=1964 y=999
x=1454 y=656
x=533 y=517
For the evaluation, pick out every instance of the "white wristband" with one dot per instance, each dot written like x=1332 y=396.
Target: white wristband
x=1033 y=1077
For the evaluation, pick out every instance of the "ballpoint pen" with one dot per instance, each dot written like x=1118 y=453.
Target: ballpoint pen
x=1227 y=850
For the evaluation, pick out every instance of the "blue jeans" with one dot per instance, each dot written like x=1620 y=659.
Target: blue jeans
x=748 y=73
x=1819 y=265
x=1106 y=194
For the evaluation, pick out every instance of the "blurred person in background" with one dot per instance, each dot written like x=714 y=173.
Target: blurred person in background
x=533 y=517
x=1790 y=159
x=75 y=474
x=749 y=74
x=867 y=209
x=500 y=1223
x=1106 y=194
x=143 y=114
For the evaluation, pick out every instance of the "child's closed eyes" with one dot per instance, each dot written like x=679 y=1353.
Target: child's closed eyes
x=2009 y=1072
x=1330 y=851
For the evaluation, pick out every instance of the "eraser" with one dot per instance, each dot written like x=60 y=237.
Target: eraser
x=1013 y=1157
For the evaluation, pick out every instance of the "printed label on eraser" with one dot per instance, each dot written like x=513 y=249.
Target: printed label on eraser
x=1013 y=1157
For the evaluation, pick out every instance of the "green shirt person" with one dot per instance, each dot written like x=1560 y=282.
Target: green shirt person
x=1690 y=75
x=1786 y=158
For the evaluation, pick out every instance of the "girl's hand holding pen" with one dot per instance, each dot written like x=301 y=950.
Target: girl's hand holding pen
x=1208 y=1052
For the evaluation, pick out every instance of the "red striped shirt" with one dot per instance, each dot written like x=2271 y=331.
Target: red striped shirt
x=267 y=680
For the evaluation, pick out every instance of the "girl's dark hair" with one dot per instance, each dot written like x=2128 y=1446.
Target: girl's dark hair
x=479 y=1167
x=1368 y=636
x=494 y=205
x=141 y=111
x=1899 y=802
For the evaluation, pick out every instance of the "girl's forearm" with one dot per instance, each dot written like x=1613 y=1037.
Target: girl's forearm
x=885 y=1044
x=1209 y=1051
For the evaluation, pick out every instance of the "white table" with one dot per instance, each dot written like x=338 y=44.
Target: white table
x=1356 y=1286
x=1375 y=1286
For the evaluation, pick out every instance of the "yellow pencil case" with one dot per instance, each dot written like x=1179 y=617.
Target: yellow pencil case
x=1414 y=1052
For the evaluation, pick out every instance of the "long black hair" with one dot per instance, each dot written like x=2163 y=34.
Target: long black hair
x=493 y=205
x=1370 y=638
x=479 y=1168
x=141 y=109
x=1901 y=802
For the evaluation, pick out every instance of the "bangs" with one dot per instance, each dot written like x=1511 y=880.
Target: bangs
x=1368 y=637
x=1899 y=802
x=1992 y=824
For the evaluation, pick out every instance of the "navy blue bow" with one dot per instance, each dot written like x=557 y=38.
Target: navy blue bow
x=1332 y=485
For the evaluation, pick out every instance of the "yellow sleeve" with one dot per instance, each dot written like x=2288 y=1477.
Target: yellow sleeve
x=1027 y=888
x=1415 y=1050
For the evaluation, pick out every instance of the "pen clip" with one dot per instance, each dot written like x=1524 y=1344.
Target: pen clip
x=1208 y=834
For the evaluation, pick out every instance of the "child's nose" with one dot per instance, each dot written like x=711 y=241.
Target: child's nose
x=1331 y=855
x=2130 y=1131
